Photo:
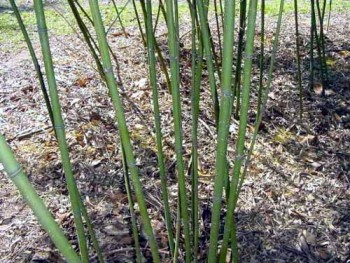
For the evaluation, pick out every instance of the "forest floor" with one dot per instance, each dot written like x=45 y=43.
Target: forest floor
x=295 y=203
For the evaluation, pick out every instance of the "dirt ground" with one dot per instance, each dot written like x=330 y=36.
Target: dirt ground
x=295 y=204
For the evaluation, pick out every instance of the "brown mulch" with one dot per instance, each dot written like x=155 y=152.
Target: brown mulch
x=295 y=204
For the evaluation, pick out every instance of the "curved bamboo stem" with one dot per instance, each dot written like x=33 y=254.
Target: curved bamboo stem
x=17 y=176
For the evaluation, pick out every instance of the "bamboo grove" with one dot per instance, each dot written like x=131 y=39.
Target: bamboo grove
x=227 y=62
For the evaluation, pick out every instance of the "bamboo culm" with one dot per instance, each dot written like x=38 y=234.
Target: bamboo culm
x=60 y=130
x=17 y=176
x=123 y=130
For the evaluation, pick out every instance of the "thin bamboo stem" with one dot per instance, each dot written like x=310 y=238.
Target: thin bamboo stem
x=196 y=68
x=60 y=130
x=247 y=74
x=221 y=174
x=298 y=59
x=123 y=130
x=262 y=47
x=157 y=120
x=209 y=59
x=240 y=49
x=135 y=231
x=87 y=36
x=311 y=66
x=261 y=110
x=322 y=45
x=329 y=14
x=119 y=18
x=34 y=59
x=139 y=23
x=218 y=28
x=175 y=86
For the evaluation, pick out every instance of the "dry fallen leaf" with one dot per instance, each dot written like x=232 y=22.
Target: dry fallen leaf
x=310 y=238
x=329 y=92
x=82 y=81
x=307 y=139
x=272 y=95
x=318 y=88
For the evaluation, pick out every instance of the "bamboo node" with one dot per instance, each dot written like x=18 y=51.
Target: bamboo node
x=173 y=58
x=179 y=151
x=42 y=29
x=185 y=222
x=59 y=127
x=239 y=157
x=227 y=94
x=132 y=165
x=14 y=173
x=108 y=70
x=217 y=200
x=198 y=57
x=248 y=56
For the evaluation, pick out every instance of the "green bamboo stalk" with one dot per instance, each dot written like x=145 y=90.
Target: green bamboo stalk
x=17 y=176
x=177 y=40
x=157 y=20
x=157 y=120
x=234 y=242
x=298 y=59
x=249 y=51
x=196 y=68
x=323 y=10
x=262 y=47
x=261 y=110
x=175 y=86
x=195 y=115
x=60 y=130
x=329 y=14
x=238 y=182
x=87 y=36
x=218 y=27
x=82 y=9
x=162 y=63
x=215 y=56
x=135 y=231
x=178 y=230
x=322 y=45
x=240 y=48
x=209 y=60
x=311 y=66
x=139 y=23
x=221 y=169
x=222 y=13
x=177 y=24
x=162 y=8
x=318 y=43
x=34 y=59
x=91 y=232
x=123 y=130
x=119 y=18
x=120 y=11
